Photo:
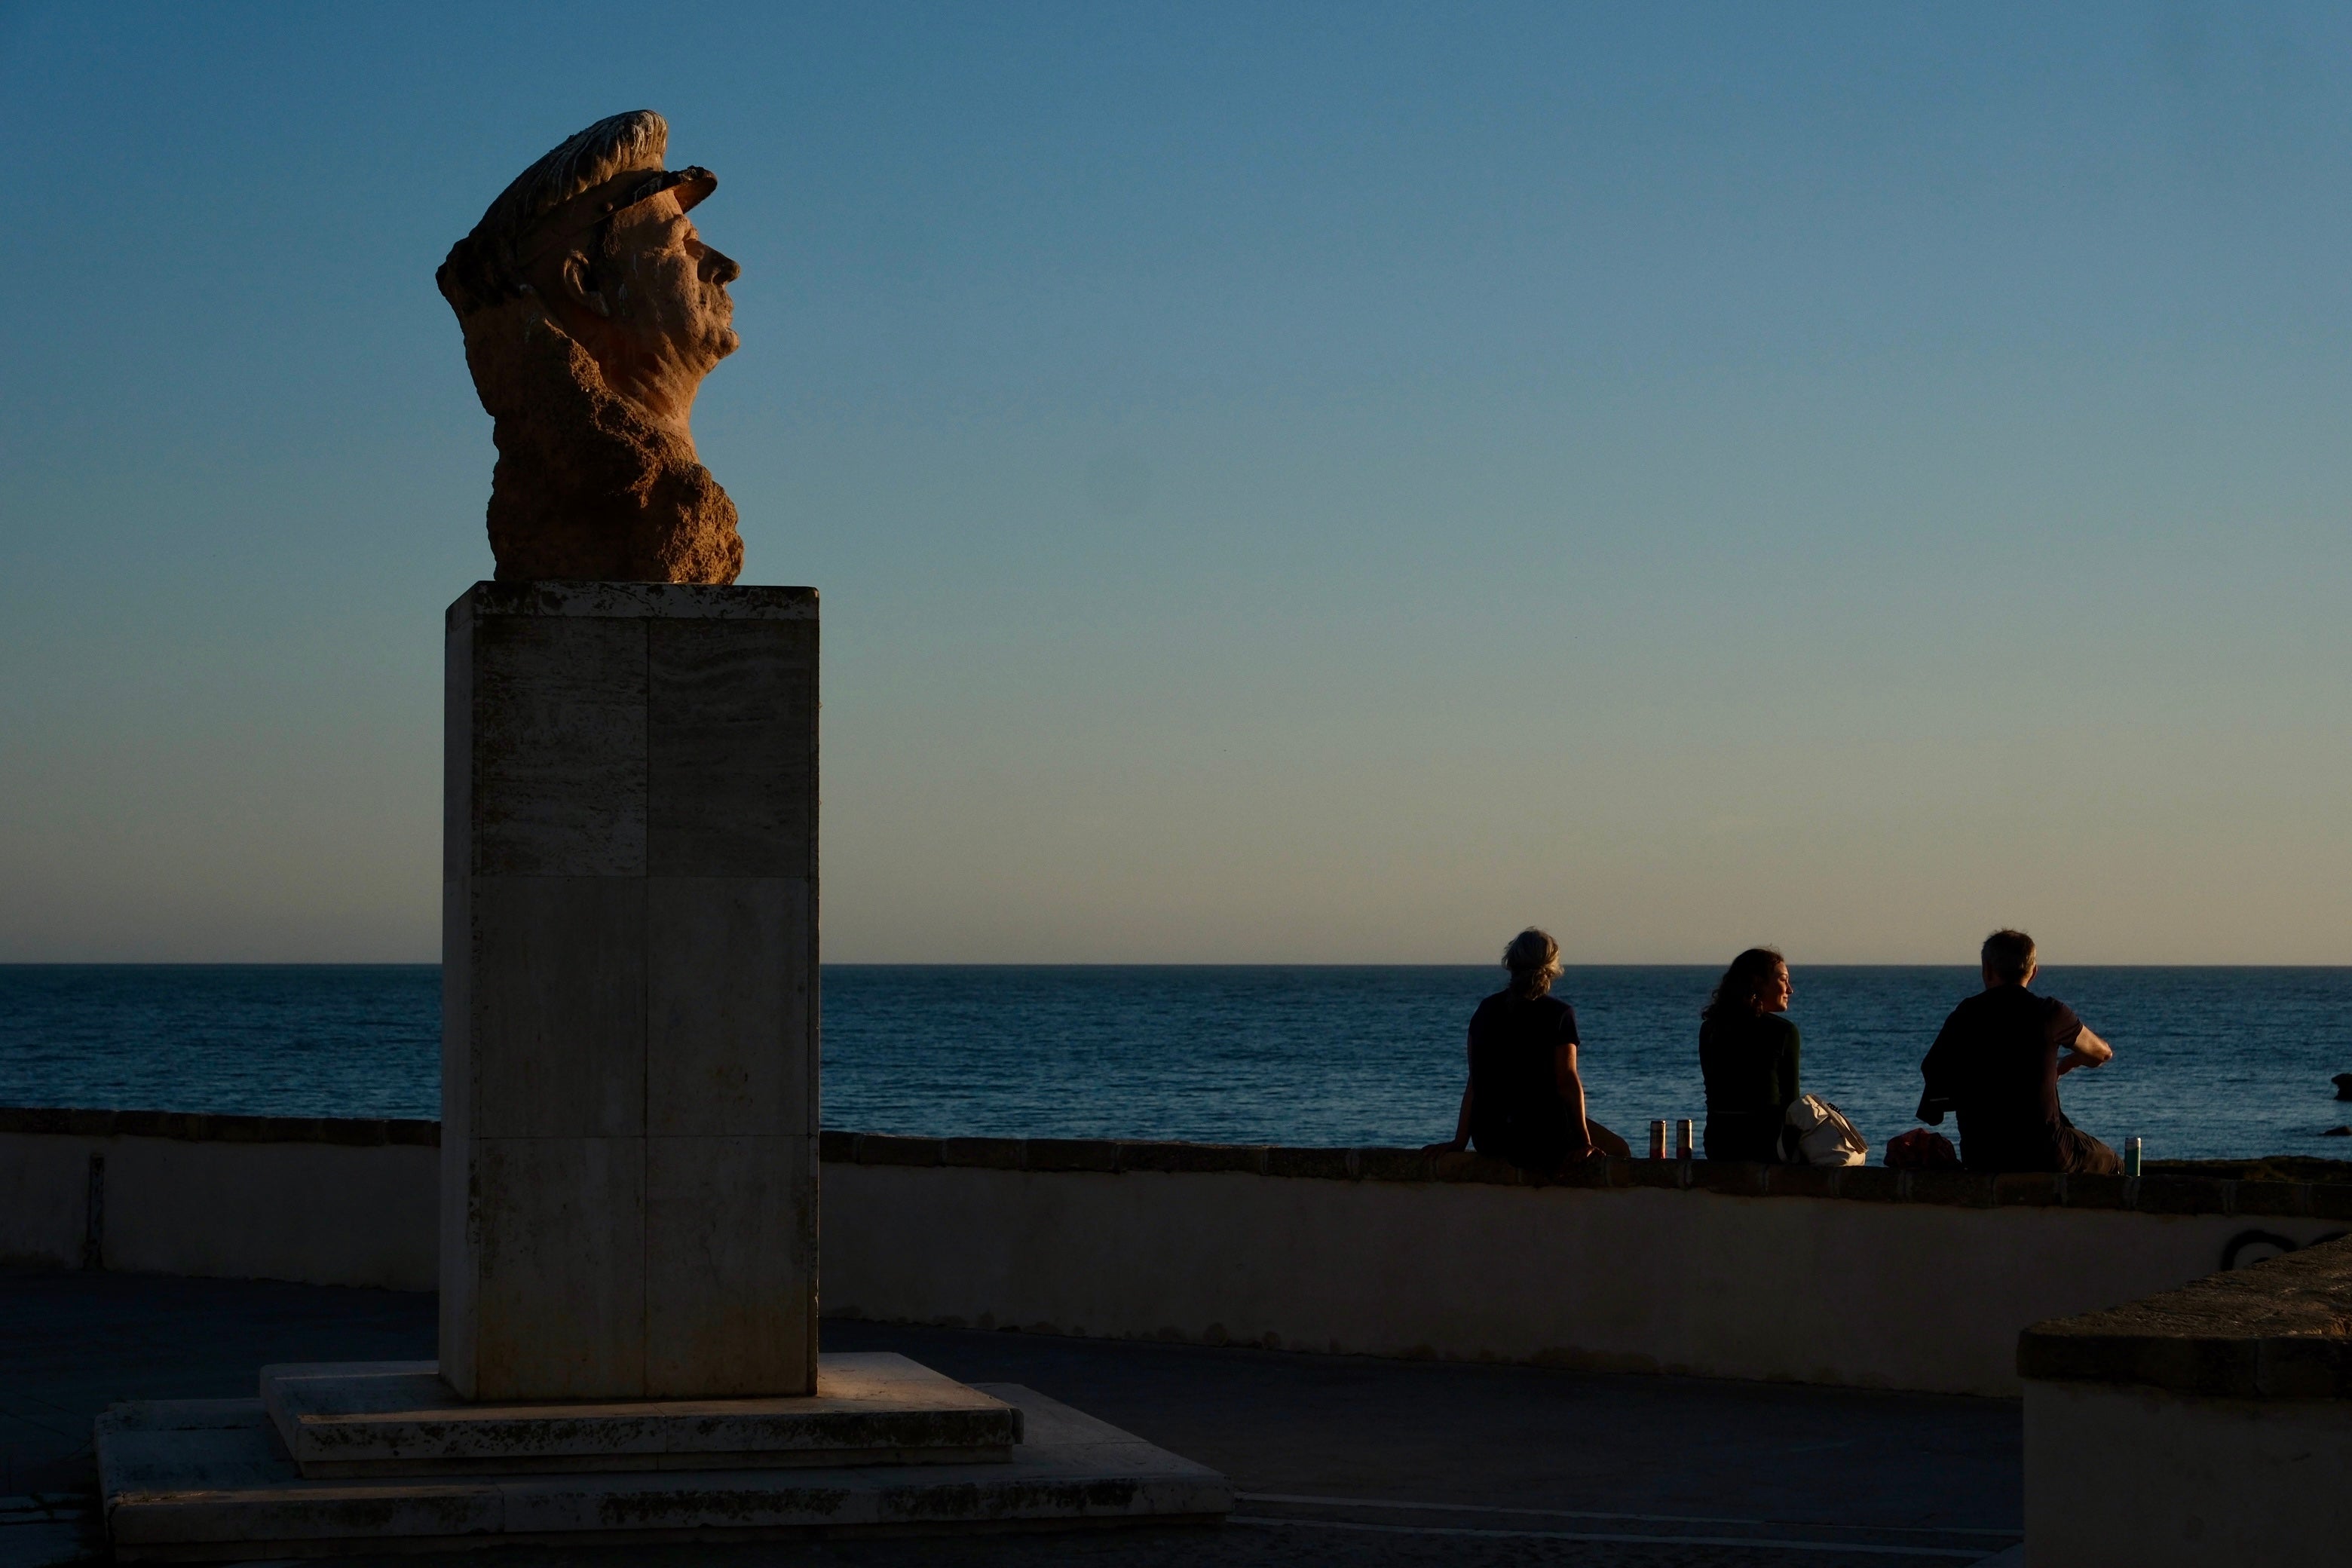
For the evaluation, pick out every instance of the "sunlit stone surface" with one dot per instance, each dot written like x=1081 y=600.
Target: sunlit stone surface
x=591 y=310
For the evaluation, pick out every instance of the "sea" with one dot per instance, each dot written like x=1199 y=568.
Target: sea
x=2211 y=1063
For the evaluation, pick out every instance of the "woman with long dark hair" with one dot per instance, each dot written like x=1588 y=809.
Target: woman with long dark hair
x=1524 y=1100
x=1748 y=1052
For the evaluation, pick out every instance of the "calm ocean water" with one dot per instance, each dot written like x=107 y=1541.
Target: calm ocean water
x=2211 y=1063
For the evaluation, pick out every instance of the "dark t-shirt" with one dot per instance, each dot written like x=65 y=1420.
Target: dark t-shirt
x=1516 y=1111
x=1996 y=1063
x=1749 y=1061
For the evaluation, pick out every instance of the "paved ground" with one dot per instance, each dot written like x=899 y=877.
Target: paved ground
x=1339 y=1459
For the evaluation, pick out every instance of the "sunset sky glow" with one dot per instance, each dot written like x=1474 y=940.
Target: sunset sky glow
x=1306 y=483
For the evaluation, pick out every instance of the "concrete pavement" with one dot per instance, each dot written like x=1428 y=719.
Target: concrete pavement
x=1339 y=1459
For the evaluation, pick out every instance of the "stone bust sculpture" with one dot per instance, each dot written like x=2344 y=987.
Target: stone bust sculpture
x=591 y=312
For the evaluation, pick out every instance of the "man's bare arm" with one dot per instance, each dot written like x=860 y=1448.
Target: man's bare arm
x=2087 y=1051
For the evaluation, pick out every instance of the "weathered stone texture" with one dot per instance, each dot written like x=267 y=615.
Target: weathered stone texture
x=2279 y=1330
x=391 y=1418
x=206 y=1479
x=629 y=993
x=591 y=312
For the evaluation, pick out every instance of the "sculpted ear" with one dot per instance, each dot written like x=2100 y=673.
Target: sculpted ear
x=577 y=280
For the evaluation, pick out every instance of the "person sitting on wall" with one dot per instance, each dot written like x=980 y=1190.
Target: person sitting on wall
x=1747 y=1053
x=1524 y=1100
x=1997 y=1060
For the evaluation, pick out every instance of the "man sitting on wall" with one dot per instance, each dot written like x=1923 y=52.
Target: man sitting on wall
x=1997 y=1061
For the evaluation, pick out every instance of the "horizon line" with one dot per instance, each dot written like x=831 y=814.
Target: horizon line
x=1123 y=963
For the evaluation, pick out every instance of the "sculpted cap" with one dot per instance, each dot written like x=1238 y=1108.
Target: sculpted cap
x=614 y=165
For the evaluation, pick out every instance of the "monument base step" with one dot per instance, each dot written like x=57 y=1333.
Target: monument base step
x=194 y=1481
x=395 y=1418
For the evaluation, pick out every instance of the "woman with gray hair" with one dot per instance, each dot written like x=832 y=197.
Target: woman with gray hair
x=1524 y=1100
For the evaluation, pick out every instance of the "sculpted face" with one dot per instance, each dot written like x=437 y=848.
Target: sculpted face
x=650 y=304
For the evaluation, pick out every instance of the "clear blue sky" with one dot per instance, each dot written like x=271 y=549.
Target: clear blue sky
x=1288 y=482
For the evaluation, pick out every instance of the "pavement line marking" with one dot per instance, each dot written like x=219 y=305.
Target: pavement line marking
x=1483 y=1508
x=1968 y=1554
x=1645 y=1518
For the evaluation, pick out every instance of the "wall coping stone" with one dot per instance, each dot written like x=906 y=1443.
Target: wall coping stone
x=2281 y=1329
x=206 y=1127
x=638 y=601
x=2164 y=1195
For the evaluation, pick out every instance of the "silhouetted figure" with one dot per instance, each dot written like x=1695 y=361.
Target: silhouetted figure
x=1524 y=1100
x=1997 y=1061
x=1747 y=1053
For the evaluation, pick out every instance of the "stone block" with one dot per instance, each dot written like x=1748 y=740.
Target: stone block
x=1392 y=1164
x=1247 y=1159
x=192 y=1480
x=2102 y=1192
x=731 y=1227
x=729 y=1026
x=2276 y=1330
x=2029 y=1189
x=1072 y=1154
x=2282 y=1199
x=559 y=982
x=629 y=942
x=558 y=766
x=557 y=1302
x=1802 y=1180
x=2182 y=1194
x=1734 y=1178
x=1588 y=1174
x=1963 y=1189
x=731 y=748
x=2330 y=1200
x=204 y=1479
x=1468 y=1166
x=1871 y=1183
x=886 y=1149
x=1308 y=1165
x=987 y=1154
x=1673 y=1173
x=396 y=1418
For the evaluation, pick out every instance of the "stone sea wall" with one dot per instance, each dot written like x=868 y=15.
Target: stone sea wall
x=1862 y=1276
x=320 y=1200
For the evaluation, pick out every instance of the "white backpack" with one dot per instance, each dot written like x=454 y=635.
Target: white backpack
x=1819 y=1134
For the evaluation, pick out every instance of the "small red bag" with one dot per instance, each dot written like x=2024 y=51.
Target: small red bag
x=1920 y=1149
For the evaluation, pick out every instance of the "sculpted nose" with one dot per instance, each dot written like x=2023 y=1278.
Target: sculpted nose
x=719 y=268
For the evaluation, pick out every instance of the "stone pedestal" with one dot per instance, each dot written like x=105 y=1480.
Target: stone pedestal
x=399 y=1418
x=209 y=1479
x=629 y=1012
x=628 y=1159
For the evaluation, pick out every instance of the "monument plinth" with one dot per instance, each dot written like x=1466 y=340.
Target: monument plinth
x=629 y=993
x=401 y=1418
x=629 y=1012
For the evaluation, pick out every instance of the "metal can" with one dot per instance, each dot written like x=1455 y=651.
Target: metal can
x=1657 y=1140
x=2131 y=1156
x=1684 y=1146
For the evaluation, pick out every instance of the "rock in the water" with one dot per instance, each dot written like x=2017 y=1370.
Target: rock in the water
x=591 y=312
x=2344 y=1085
x=2338 y=1133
